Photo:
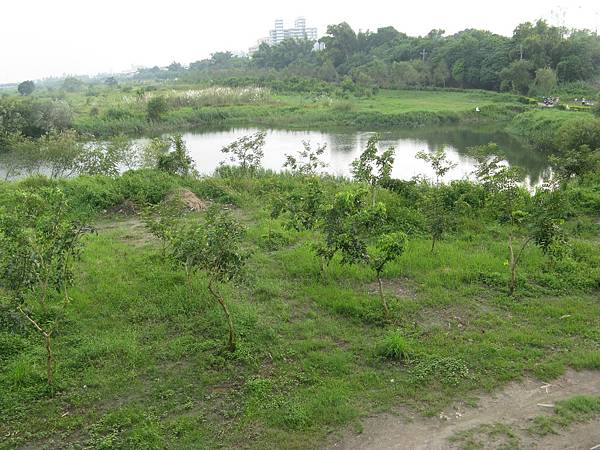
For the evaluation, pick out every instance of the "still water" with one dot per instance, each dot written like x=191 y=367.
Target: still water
x=343 y=146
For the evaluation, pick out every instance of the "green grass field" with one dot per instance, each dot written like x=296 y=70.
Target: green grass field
x=106 y=111
x=140 y=359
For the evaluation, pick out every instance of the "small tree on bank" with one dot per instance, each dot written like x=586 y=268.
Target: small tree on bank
x=247 y=152
x=39 y=244
x=349 y=226
x=372 y=168
x=530 y=219
x=213 y=247
x=307 y=161
x=177 y=161
x=435 y=209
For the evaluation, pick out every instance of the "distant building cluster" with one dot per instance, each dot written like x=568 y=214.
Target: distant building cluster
x=279 y=33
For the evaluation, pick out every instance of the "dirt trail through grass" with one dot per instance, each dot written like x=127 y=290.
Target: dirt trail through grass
x=512 y=411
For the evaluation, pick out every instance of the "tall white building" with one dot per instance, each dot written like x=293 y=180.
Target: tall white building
x=279 y=33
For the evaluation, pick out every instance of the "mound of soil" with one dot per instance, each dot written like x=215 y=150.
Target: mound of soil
x=126 y=208
x=188 y=198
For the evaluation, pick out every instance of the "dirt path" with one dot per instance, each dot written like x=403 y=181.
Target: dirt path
x=514 y=407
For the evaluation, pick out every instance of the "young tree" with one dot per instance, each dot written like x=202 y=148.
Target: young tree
x=20 y=156
x=61 y=153
x=152 y=151
x=349 y=225
x=161 y=219
x=306 y=162
x=39 y=243
x=529 y=219
x=302 y=207
x=372 y=168
x=26 y=87
x=215 y=248
x=247 y=151
x=435 y=209
x=576 y=162
x=508 y=201
x=156 y=108
x=106 y=158
x=178 y=161
x=389 y=248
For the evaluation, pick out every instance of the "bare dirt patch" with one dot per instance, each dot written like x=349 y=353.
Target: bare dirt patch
x=398 y=287
x=514 y=408
x=188 y=198
x=130 y=231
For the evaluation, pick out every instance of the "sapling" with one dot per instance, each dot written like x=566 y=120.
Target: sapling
x=247 y=152
x=215 y=248
x=178 y=161
x=508 y=201
x=536 y=219
x=302 y=207
x=435 y=209
x=160 y=219
x=307 y=161
x=39 y=243
x=372 y=168
x=349 y=224
x=389 y=248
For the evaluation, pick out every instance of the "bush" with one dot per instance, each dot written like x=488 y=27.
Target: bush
x=89 y=194
x=157 y=106
x=146 y=185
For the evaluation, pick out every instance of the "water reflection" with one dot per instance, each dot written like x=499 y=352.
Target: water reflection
x=343 y=146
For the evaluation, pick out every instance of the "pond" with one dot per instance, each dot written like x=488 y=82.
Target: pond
x=343 y=146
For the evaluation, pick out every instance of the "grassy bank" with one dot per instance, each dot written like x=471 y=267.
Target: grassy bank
x=140 y=359
x=109 y=112
x=542 y=128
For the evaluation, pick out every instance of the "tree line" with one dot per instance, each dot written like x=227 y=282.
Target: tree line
x=536 y=58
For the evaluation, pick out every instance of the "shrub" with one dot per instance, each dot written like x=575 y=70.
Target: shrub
x=156 y=108
x=146 y=185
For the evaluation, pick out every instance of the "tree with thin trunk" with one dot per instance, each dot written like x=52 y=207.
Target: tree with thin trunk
x=350 y=225
x=247 y=152
x=39 y=244
x=507 y=199
x=373 y=168
x=307 y=161
x=389 y=248
x=435 y=210
x=213 y=247
x=530 y=219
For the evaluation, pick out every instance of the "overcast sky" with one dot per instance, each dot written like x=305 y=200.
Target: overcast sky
x=41 y=38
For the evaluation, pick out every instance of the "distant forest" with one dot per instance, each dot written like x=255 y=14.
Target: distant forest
x=537 y=58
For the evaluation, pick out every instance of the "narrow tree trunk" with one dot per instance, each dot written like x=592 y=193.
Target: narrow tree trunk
x=432 y=244
x=385 y=305
x=66 y=293
x=49 y=357
x=513 y=267
x=48 y=340
x=231 y=344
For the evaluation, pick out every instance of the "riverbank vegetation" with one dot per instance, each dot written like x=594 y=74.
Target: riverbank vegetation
x=332 y=304
x=111 y=111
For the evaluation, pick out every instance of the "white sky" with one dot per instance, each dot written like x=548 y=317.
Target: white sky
x=40 y=38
